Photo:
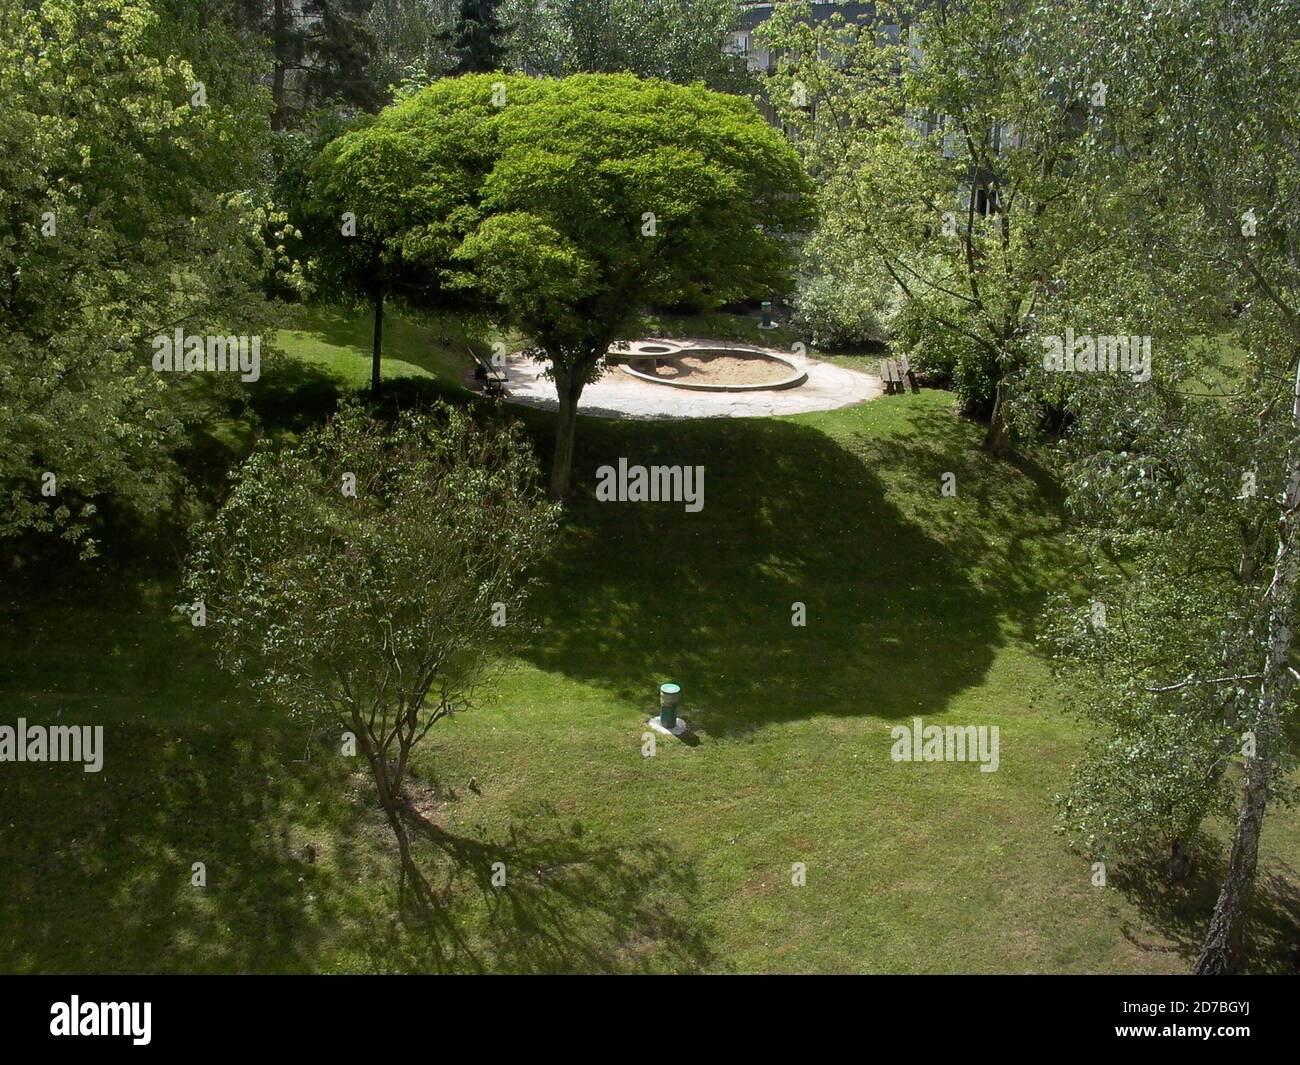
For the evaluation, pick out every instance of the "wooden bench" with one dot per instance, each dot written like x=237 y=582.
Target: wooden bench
x=898 y=376
x=489 y=378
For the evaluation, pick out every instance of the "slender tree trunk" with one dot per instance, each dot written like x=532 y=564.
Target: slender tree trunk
x=389 y=787
x=568 y=387
x=377 y=347
x=1180 y=863
x=1225 y=940
x=279 y=32
x=997 y=440
x=1247 y=567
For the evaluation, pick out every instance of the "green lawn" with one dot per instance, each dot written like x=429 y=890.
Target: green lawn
x=917 y=605
x=339 y=342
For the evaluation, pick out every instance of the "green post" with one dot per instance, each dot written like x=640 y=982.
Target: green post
x=767 y=314
x=669 y=696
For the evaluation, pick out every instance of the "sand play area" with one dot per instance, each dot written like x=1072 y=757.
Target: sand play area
x=655 y=378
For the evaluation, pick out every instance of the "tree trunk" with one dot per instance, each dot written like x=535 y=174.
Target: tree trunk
x=377 y=348
x=997 y=440
x=1225 y=940
x=1180 y=863
x=389 y=787
x=568 y=387
x=279 y=31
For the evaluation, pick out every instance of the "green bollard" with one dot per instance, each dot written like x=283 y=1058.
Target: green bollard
x=669 y=696
x=767 y=314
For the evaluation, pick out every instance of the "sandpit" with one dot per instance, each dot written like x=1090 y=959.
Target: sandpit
x=729 y=368
x=632 y=386
x=721 y=369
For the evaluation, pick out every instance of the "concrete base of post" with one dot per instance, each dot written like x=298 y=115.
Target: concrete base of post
x=678 y=729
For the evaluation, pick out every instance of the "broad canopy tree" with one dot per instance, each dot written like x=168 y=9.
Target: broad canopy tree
x=383 y=206
x=608 y=192
x=567 y=205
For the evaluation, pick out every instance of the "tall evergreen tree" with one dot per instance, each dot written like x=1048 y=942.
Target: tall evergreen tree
x=477 y=38
x=321 y=52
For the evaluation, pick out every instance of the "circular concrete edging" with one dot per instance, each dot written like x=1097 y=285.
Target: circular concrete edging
x=796 y=378
x=636 y=350
x=620 y=395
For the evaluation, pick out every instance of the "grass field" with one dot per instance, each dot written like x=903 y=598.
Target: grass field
x=917 y=605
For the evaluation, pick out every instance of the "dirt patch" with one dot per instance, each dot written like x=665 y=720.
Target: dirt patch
x=729 y=369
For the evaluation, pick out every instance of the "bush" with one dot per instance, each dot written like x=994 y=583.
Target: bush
x=943 y=357
x=837 y=312
x=361 y=578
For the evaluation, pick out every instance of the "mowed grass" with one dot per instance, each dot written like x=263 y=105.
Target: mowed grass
x=917 y=605
x=338 y=341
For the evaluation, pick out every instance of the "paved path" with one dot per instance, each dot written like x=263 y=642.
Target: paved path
x=619 y=395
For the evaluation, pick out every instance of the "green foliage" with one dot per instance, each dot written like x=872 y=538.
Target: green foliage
x=539 y=204
x=835 y=312
x=1155 y=766
x=381 y=602
x=951 y=357
x=568 y=243
x=842 y=301
x=411 y=45
x=676 y=40
x=321 y=54
x=129 y=211
x=410 y=177
x=561 y=207
x=945 y=157
x=1184 y=483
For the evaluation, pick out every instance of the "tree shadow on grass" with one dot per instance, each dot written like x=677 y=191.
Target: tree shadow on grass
x=96 y=868
x=1180 y=910
x=544 y=899
x=903 y=611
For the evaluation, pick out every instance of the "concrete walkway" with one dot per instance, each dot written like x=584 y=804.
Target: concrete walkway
x=618 y=395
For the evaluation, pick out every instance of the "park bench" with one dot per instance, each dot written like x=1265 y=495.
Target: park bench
x=489 y=378
x=898 y=376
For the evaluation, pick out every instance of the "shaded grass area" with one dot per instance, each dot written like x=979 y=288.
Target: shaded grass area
x=917 y=605
x=97 y=870
x=338 y=340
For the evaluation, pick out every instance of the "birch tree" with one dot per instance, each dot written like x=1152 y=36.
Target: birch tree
x=1195 y=480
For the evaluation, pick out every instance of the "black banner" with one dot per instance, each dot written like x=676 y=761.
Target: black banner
x=152 y=1013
